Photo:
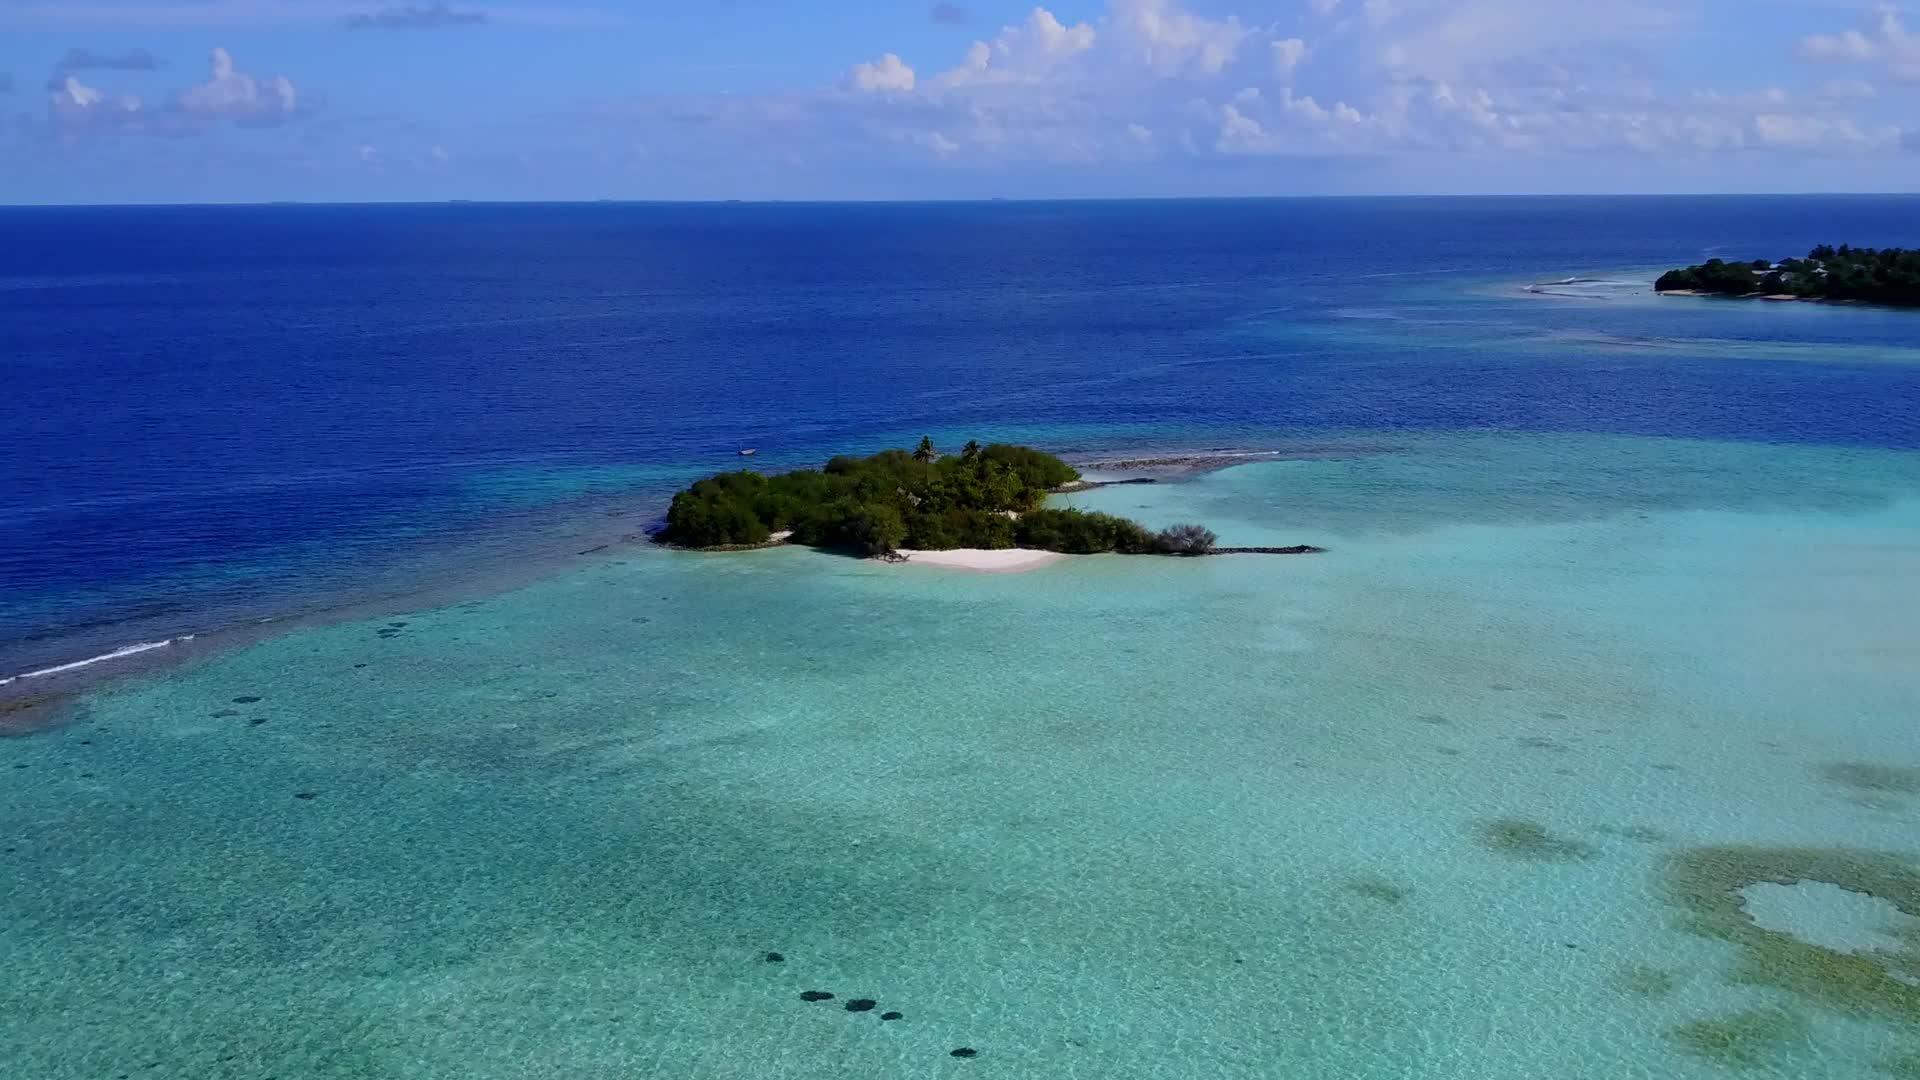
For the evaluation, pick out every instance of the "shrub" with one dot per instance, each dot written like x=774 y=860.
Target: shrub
x=1034 y=468
x=1081 y=532
x=932 y=532
x=713 y=520
x=1185 y=540
x=988 y=529
x=869 y=528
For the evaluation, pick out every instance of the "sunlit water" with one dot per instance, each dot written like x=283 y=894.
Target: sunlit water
x=1400 y=810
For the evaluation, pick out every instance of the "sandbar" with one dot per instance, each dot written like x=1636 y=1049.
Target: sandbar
x=1000 y=561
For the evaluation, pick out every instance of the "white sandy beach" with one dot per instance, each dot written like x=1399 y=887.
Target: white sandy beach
x=1002 y=561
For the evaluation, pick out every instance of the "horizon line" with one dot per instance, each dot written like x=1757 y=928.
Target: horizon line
x=962 y=201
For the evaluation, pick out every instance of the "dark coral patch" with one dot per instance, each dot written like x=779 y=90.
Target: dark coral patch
x=861 y=1005
x=1874 y=778
x=775 y=958
x=32 y=715
x=815 y=995
x=1644 y=834
x=891 y=1015
x=1386 y=892
x=964 y=1052
x=1708 y=884
x=1517 y=838
x=1742 y=1039
x=246 y=699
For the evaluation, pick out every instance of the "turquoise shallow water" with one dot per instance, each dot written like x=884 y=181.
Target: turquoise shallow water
x=1114 y=818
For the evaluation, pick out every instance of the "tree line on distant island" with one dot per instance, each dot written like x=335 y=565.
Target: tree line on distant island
x=1883 y=276
x=982 y=497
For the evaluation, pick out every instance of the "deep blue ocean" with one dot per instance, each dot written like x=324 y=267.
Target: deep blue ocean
x=221 y=413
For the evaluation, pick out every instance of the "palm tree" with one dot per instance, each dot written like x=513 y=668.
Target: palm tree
x=924 y=453
x=971 y=450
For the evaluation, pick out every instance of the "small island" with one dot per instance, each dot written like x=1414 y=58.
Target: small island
x=1888 y=276
x=984 y=497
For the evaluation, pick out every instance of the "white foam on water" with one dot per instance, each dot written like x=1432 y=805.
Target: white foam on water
x=117 y=654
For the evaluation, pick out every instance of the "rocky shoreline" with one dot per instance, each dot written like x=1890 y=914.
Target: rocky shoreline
x=1181 y=465
x=1089 y=485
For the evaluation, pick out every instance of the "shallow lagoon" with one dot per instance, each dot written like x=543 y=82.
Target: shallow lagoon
x=1404 y=809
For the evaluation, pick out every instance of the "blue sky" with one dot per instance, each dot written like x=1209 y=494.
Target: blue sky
x=245 y=100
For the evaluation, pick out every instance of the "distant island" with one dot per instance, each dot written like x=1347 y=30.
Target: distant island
x=984 y=497
x=1889 y=276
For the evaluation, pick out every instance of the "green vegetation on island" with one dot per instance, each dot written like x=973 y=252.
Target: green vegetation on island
x=1864 y=275
x=982 y=497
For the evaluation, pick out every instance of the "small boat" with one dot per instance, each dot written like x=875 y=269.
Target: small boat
x=750 y=451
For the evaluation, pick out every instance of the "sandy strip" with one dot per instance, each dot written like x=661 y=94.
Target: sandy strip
x=1003 y=561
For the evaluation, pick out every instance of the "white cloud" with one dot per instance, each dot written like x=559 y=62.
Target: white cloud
x=889 y=73
x=1172 y=41
x=1816 y=133
x=1239 y=132
x=1049 y=36
x=1295 y=124
x=228 y=95
x=936 y=142
x=79 y=97
x=1846 y=46
x=1886 y=40
x=1773 y=97
x=119 y=16
x=1027 y=52
x=1287 y=54
x=1388 y=79
x=1454 y=39
x=76 y=95
x=234 y=95
x=436 y=16
x=1848 y=90
x=75 y=108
